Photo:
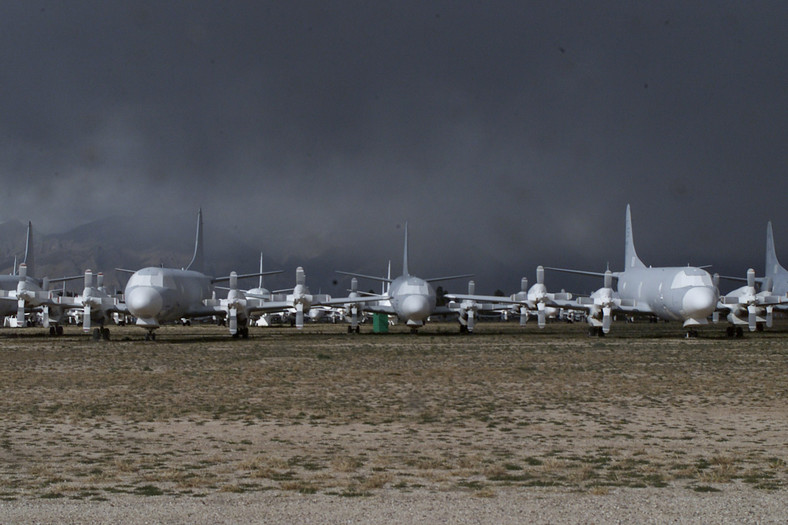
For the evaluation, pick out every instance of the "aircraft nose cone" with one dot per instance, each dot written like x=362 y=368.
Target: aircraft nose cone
x=416 y=307
x=144 y=301
x=699 y=302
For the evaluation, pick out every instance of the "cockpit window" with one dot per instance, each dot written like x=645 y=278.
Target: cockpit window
x=414 y=288
x=146 y=279
x=683 y=279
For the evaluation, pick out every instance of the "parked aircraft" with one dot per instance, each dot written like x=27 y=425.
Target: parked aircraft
x=155 y=295
x=21 y=291
x=412 y=299
x=748 y=307
x=471 y=304
x=96 y=305
x=600 y=305
x=774 y=270
x=534 y=299
x=684 y=294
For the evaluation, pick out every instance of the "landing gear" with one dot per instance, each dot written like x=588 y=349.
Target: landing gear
x=150 y=336
x=242 y=333
x=463 y=329
x=734 y=331
x=356 y=330
x=56 y=330
x=596 y=331
x=691 y=334
x=101 y=333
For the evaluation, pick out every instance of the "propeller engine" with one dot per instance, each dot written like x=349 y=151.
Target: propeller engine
x=755 y=303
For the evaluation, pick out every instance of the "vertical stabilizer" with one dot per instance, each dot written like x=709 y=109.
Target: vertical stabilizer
x=30 y=259
x=631 y=259
x=260 y=283
x=197 y=258
x=773 y=266
x=405 y=256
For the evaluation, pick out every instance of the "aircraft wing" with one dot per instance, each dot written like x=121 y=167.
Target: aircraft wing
x=444 y=310
x=207 y=310
x=450 y=277
x=484 y=299
x=351 y=300
x=581 y=272
x=244 y=276
x=6 y=295
x=374 y=278
x=108 y=304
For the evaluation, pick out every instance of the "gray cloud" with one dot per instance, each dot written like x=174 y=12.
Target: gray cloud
x=509 y=134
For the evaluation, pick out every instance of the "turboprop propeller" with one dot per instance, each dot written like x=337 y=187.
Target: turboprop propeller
x=522 y=296
x=748 y=299
x=539 y=298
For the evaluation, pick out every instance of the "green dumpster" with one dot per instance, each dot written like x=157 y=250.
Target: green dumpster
x=380 y=323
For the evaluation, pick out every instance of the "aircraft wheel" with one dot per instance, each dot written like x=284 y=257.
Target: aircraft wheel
x=592 y=331
x=739 y=332
x=59 y=330
x=350 y=329
x=730 y=331
x=358 y=329
x=105 y=334
x=96 y=334
x=245 y=332
x=759 y=327
x=600 y=333
x=463 y=328
x=52 y=331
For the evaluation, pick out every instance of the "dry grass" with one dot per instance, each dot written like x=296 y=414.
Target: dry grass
x=323 y=411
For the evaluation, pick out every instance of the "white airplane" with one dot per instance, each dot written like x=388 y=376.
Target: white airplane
x=22 y=291
x=155 y=295
x=748 y=307
x=412 y=299
x=534 y=299
x=600 y=305
x=96 y=305
x=682 y=293
x=470 y=305
x=774 y=270
x=300 y=301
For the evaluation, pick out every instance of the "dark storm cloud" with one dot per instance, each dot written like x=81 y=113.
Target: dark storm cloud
x=508 y=133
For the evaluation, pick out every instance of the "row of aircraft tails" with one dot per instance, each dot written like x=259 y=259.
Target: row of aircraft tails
x=157 y=295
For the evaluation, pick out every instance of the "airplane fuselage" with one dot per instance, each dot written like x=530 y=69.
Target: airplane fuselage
x=413 y=299
x=155 y=295
x=673 y=293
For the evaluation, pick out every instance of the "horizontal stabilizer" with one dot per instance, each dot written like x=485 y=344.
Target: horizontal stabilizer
x=435 y=279
x=246 y=275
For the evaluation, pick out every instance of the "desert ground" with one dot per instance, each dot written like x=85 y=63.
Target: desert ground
x=507 y=425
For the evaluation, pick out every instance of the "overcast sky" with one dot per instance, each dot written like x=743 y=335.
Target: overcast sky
x=508 y=134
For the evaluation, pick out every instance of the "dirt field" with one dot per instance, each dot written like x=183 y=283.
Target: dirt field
x=323 y=414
